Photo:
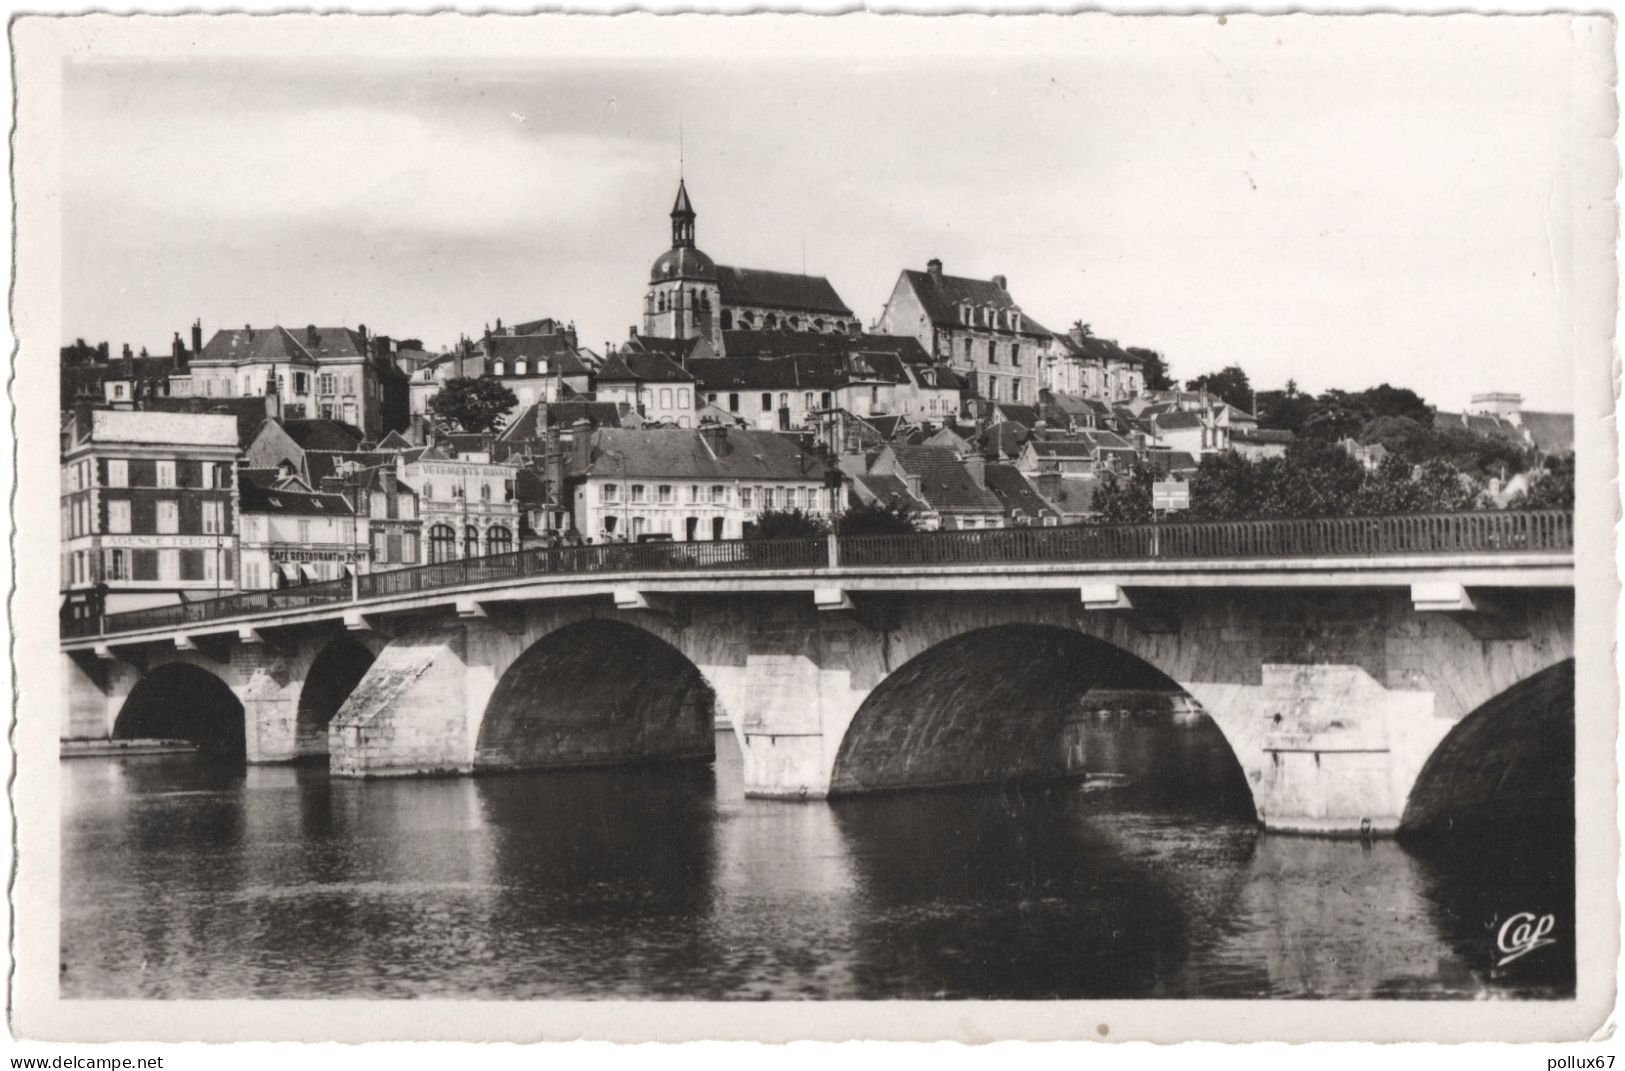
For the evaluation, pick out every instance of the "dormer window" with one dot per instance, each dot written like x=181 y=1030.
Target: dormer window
x=519 y=367
x=498 y=368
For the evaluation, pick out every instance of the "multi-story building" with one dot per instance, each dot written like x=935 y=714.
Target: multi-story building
x=468 y=506
x=691 y=296
x=331 y=373
x=394 y=526
x=1080 y=363
x=1501 y=414
x=788 y=393
x=386 y=506
x=710 y=483
x=953 y=487
x=975 y=325
x=920 y=388
x=652 y=385
x=539 y=361
x=295 y=537
x=149 y=509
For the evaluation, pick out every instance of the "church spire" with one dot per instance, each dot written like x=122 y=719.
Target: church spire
x=682 y=219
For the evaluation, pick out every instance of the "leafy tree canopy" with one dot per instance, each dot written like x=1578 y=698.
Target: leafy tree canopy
x=875 y=519
x=1313 y=479
x=1229 y=383
x=1126 y=499
x=1551 y=488
x=788 y=524
x=1285 y=410
x=472 y=404
x=1155 y=369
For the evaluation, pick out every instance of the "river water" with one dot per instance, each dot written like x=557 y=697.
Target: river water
x=185 y=879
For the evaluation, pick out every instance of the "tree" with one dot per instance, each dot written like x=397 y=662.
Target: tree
x=788 y=524
x=1433 y=486
x=875 y=519
x=1283 y=410
x=472 y=404
x=1229 y=383
x=1125 y=499
x=1386 y=401
x=1552 y=488
x=1402 y=436
x=1155 y=368
x=1335 y=416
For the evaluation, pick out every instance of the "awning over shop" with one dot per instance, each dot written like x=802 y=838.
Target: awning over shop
x=309 y=571
x=290 y=570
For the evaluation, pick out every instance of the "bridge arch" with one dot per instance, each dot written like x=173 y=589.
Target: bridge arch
x=988 y=705
x=181 y=701
x=595 y=692
x=333 y=674
x=1508 y=765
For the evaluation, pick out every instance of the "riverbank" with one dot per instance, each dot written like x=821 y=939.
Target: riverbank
x=102 y=747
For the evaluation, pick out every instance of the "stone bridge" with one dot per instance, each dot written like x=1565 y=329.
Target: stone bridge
x=1358 y=690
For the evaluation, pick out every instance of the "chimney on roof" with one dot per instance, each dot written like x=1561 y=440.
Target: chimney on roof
x=976 y=465
x=126 y=352
x=361 y=329
x=580 y=447
x=197 y=338
x=933 y=268
x=101 y=352
x=1002 y=283
x=715 y=437
x=310 y=335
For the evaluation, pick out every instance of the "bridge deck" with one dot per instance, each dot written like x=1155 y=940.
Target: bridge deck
x=1492 y=549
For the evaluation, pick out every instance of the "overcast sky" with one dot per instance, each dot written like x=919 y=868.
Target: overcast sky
x=1338 y=215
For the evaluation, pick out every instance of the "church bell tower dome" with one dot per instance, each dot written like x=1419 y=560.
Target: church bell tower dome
x=682 y=262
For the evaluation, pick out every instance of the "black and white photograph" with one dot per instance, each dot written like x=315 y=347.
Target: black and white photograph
x=816 y=516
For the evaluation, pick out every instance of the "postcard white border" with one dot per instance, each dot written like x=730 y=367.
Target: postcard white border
x=40 y=46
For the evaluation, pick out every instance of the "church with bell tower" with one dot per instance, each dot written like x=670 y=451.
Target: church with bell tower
x=684 y=298
x=691 y=296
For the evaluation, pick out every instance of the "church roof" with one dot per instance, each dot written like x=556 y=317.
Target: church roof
x=779 y=290
x=682 y=206
x=683 y=262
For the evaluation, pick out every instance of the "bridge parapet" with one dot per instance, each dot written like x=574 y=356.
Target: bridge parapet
x=1544 y=533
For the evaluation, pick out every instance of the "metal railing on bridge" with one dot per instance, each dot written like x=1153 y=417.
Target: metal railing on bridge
x=1324 y=537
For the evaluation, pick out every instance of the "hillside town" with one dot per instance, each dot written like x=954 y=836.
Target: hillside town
x=743 y=403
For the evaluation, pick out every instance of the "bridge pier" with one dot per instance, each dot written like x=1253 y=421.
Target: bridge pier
x=408 y=715
x=269 y=693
